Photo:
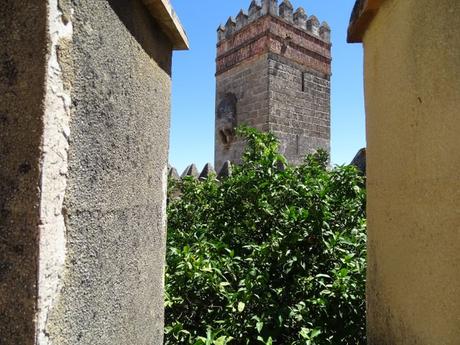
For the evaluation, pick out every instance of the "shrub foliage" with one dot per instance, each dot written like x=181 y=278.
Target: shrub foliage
x=274 y=254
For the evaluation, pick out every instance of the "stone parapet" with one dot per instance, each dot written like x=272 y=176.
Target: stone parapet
x=363 y=13
x=165 y=15
x=207 y=171
x=84 y=134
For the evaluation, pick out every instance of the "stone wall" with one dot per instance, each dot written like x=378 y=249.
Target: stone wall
x=281 y=59
x=84 y=113
x=248 y=82
x=299 y=109
x=115 y=189
x=22 y=89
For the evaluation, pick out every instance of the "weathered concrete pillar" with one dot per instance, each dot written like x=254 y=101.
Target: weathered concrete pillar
x=84 y=121
x=412 y=82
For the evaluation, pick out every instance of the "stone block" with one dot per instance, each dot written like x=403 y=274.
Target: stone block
x=84 y=122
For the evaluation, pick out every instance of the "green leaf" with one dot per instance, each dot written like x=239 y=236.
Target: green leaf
x=304 y=333
x=222 y=340
x=259 y=326
x=315 y=333
x=241 y=306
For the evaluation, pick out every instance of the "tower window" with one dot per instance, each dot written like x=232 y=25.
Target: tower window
x=297 y=144
x=303 y=81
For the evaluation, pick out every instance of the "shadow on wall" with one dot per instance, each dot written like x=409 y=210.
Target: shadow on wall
x=135 y=16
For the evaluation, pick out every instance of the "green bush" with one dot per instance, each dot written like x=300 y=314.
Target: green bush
x=274 y=254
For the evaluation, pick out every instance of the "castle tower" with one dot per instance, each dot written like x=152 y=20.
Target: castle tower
x=273 y=73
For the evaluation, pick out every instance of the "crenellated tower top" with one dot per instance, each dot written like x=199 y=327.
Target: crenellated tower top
x=278 y=28
x=284 y=11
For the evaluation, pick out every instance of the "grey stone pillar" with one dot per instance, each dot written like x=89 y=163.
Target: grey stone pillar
x=84 y=121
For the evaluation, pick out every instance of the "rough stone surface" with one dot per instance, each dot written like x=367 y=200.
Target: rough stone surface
x=299 y=108
x=207 y=171
x=113 y=284
x=82 y=202
x=191 y=170
x=225 y=171
x=277 y=72
x=141 y=26
x=22 y=80
x=247 y=84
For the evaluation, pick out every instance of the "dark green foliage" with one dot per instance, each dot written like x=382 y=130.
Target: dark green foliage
x=274 y=254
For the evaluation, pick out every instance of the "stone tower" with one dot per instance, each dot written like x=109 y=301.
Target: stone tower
x=273 y=73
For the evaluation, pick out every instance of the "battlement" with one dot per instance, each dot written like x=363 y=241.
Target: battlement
x=267 y=27
x=284 y=11
x=359 y=161
x=207 y=171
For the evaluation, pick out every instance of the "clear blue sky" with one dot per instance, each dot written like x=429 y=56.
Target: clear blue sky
x=192 y=123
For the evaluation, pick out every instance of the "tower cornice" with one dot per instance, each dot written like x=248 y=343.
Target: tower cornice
x=271 y=33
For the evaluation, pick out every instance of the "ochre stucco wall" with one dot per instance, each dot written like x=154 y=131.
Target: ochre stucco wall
x=412 y=74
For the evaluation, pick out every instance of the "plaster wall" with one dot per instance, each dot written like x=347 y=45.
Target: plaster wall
x=112 y=288
x=84 y=126
x=412 y=74
x=23 y=52
x=53 y=170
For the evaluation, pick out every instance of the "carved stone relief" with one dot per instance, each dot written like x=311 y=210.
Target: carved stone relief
x=227 y=119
